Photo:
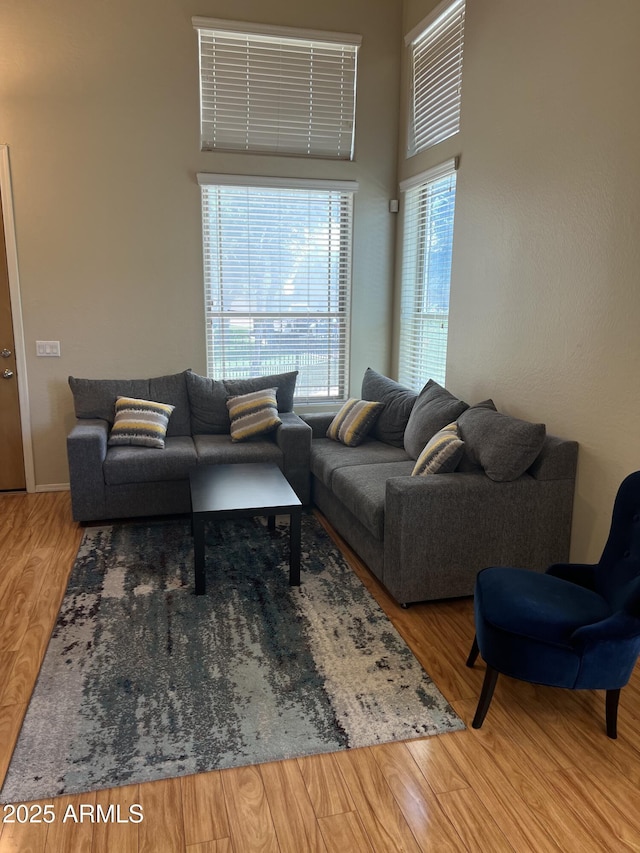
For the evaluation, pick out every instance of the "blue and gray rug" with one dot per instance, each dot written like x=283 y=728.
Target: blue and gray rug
x=144 y=680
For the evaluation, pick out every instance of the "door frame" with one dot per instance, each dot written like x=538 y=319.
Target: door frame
x=16 y=314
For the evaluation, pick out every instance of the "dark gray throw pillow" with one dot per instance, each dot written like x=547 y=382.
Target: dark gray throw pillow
x=502 y=445
x=398 y=402
x=434 y=408
x=469 y=463
x=208 y=401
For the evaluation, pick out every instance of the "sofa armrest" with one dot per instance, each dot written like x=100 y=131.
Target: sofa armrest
x=319 y=422
x=86 y=452
x=445 y=525
x=293 y=437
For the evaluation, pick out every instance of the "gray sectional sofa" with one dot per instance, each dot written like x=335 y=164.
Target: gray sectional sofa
x=508 y=502
x=126 y=481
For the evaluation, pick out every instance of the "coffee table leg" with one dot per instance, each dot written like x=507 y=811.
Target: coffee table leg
x=198 y=555
x=271 y=522
x=295 y=520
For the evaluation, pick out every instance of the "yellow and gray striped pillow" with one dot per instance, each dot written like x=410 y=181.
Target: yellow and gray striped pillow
x=354 y=420
x=253 y=414
x=140 y=422
x=441 y=454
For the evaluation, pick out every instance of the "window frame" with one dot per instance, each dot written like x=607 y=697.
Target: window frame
x=253 y=83
x=419 y=192
x=435 y=93
x=335 y=342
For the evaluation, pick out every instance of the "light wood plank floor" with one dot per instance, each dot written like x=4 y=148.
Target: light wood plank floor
x=541 y=775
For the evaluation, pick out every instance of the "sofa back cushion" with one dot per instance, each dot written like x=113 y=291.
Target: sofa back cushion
x=433 y=410
x=172 y=389
x=96 y=398
x=284 y=383
x=208 y=402
x=208 y=398
x=502 y=445
x=398 y=402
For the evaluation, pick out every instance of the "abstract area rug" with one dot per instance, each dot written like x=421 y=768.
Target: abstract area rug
x=143 y=680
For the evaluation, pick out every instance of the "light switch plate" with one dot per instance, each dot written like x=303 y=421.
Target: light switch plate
x=48 y=348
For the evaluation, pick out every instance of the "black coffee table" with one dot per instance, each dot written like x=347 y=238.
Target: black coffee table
x=243 y=490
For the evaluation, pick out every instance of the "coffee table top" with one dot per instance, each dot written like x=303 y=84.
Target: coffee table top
x=241 y=487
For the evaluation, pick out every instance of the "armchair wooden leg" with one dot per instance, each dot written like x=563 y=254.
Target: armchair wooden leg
x=488 y=686
x=473 y=654
x=613 y=697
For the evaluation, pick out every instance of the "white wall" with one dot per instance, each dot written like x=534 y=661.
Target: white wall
x=99 y=108
x=545 y=302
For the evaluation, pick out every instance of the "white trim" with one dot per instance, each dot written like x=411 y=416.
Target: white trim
x=212 y=179
x=16 y=315
x=430 y=174
x=53 y=487
x=245 y=27
x=419 y=30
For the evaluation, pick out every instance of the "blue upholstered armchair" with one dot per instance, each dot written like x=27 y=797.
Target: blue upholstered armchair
x=575 y=626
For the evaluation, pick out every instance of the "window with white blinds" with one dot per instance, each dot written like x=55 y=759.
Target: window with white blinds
x=277 y=90
x=277 y=278
x=436 y=76
x=426 y=275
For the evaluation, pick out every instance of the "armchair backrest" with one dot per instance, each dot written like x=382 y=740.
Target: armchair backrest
x=618 y=571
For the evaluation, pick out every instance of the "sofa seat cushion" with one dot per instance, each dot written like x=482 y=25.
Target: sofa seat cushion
x=328 y=456
x=149 y=464
x=362 y=490
x=220 y=450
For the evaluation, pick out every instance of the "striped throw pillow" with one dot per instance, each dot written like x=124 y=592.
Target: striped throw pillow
x=253 y=414
x=353 y=422
x=441 y=454
x=140 y=422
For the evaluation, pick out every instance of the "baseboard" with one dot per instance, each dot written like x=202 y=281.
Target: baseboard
x=53 y=487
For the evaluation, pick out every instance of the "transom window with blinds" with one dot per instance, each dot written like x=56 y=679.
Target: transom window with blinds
x=426 y=275
x=277 y=90
x=277 y=270
x=436 y=47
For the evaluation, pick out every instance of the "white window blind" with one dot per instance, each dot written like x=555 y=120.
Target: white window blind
x=277 y=269
x=426 y=275
x=436 y=76
x=277 y=90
